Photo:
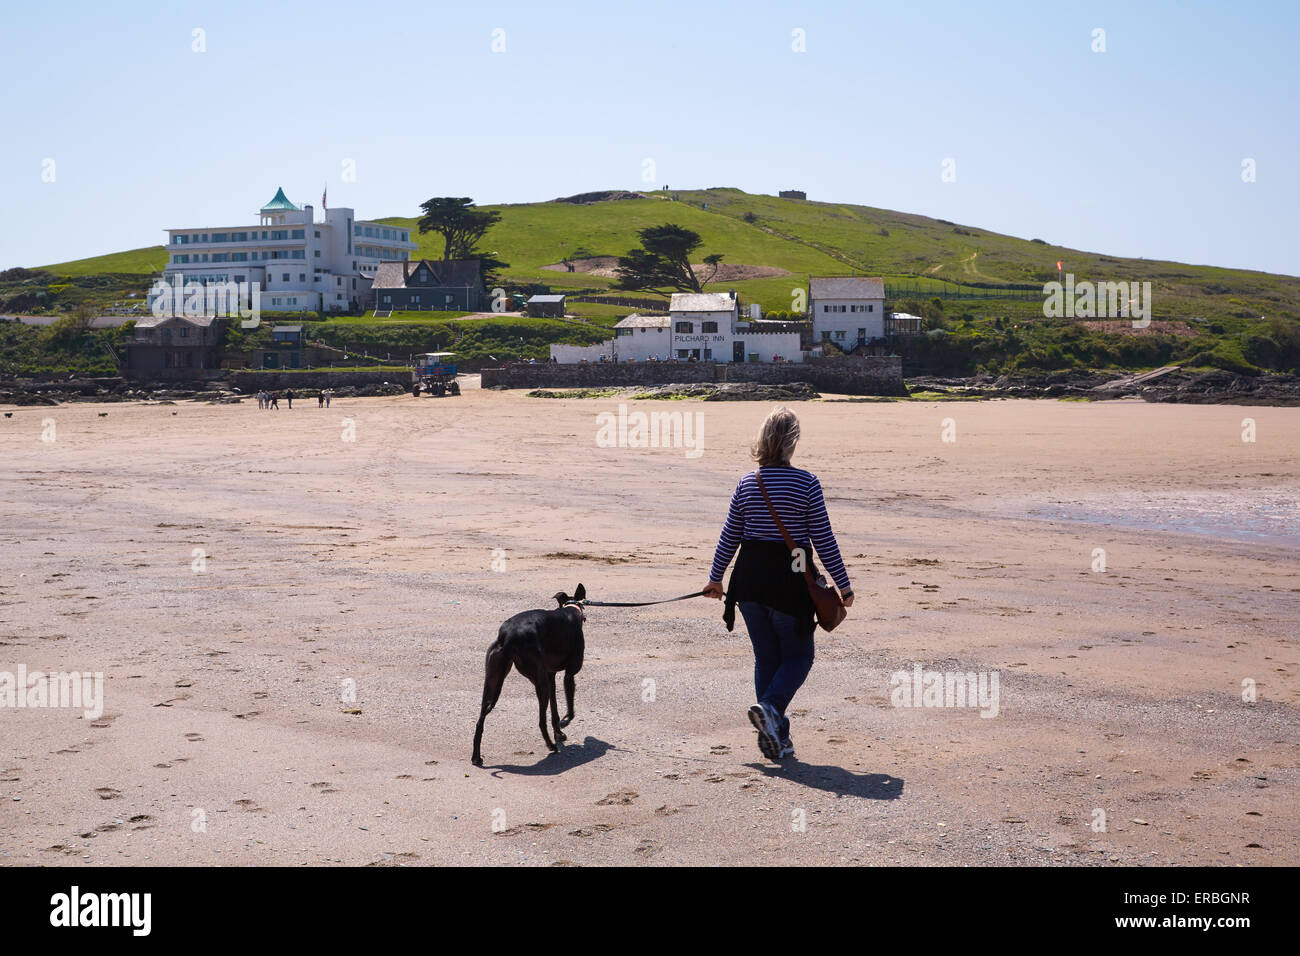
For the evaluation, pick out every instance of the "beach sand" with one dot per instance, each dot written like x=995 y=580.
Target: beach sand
x=327 y=563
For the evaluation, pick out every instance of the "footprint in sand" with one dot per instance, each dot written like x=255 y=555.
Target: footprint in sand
x=249 y=805
x=107 y=793
x=617 y=799
x=591 y=830
x=194 y=738
x=647 y=848
x=323 y=787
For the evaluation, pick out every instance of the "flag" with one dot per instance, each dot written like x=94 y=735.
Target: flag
x=1058 y=261
x=323 y=191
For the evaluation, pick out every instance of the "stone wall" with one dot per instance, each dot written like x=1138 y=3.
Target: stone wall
x=850 y=375
x=251 y=381
x=846 y=375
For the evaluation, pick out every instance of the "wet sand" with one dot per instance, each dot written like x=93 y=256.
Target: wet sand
x=225 y=738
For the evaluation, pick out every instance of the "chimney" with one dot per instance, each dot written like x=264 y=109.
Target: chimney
x=731 y=292
x=406 y=269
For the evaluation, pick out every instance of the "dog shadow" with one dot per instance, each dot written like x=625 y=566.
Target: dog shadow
x=837 y=780
x=566 y=758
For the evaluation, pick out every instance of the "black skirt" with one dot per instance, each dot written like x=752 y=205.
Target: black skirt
x=765 y=573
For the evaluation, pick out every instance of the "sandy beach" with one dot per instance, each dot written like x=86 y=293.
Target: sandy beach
x=234 y=574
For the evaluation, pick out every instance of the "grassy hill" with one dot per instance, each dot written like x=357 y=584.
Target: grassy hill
x=962 y=278
x=816 y=238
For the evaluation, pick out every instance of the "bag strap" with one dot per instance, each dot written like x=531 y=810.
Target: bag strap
x=780 y=526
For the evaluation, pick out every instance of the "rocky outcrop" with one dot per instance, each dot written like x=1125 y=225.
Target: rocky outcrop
x=1215 y=387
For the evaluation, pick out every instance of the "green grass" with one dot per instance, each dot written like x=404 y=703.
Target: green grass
x=140 y=261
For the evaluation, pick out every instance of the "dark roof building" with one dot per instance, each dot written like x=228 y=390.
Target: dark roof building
x=454 y=284
x=545 y=305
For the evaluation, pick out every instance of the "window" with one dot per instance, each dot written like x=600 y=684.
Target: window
x=709 y=327
x=871 y=308
x=302 y=277
x=317 y=233
x=286 y=277
x=415 y=300
x=388 y=299
x=686 y=327
x=298 y=234
x=826 y=308
x=839 y=336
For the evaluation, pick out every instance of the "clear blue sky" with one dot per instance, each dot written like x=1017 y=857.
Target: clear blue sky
x=1136 y=151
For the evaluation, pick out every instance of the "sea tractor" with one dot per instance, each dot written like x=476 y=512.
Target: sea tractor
x=434 y=374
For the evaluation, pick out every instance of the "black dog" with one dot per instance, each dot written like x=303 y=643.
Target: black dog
x=539 y=644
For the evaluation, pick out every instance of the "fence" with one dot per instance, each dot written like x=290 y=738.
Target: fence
x=906 y=290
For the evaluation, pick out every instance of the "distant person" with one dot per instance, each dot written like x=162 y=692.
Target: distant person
x=772 y=595
x=320 y=399
x=289 y=397
x=329 y=394
x=259 y=399
x=275 y=400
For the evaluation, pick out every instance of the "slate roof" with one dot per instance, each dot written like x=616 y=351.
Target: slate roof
x=701 y=302
x=643 y=322
x=153 y=321
x=450 y=273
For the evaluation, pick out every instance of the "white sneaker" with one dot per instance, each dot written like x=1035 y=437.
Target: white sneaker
x=768 y=724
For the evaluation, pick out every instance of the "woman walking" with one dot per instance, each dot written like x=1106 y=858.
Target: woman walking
x=768 y=582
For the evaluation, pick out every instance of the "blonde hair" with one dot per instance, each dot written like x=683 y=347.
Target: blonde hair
x=777 y=437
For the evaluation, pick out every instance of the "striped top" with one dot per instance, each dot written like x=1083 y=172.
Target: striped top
x=797 y=496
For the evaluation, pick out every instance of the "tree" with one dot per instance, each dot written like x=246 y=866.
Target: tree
x=460 y=223
x=663 y=263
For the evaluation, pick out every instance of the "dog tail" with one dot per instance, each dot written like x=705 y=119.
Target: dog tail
x=497 y=667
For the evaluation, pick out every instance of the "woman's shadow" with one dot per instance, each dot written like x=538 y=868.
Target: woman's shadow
x=837 y=780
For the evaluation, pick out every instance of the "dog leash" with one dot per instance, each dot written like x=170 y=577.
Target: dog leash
x=684 y=597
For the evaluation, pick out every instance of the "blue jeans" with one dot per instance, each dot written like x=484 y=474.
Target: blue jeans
x=783 y=656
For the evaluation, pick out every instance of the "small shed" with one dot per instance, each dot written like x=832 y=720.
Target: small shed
x=287 y=336
x=539 y=306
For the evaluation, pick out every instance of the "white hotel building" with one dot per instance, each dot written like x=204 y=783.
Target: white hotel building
x=300 y=264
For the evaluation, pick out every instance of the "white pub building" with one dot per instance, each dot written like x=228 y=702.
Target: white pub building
x=699 y=327
x=300 y=264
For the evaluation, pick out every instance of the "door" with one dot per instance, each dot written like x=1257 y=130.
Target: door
x=738 y=351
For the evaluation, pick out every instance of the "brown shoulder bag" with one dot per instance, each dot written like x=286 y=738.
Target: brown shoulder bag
x=827 y=603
